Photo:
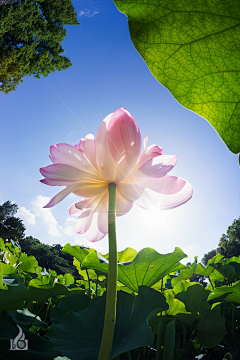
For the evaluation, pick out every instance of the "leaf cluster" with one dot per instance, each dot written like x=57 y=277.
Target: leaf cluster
x=161 y=313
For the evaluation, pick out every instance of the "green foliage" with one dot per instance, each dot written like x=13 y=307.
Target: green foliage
x=30 y=39
x=61 y=316
x=192 y=48
x=229 y=244
x=76 y=337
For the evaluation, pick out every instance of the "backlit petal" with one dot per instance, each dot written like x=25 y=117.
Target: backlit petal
x=90 y=189
x=123 y=206
x=61 y=195
x=157 y=167
x=165 y=193
x=93 y=222
x=70 y=155
x=118 y=144
x=148 y=153
x=65 y=174
x=87 y=146
x=77 y=207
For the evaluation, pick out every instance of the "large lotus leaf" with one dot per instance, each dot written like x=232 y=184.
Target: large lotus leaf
x=78 y=335
x=14 y=297
x=66 y=279
x=175 y=306
x=124 y=256
x=42 y=294
x=38 y=347
x=230 y=293
x=76 y=251
x=210 y=328
x=211 y=265
x=27 y=263
x=228 y=271
x=188 y=273
x=192 y=48
x=193 y=296
x=23 y=318
x=75 y=302
x=147 y=268
x=234 y=259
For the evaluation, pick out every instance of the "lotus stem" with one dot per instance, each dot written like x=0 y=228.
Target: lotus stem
x=111 y=298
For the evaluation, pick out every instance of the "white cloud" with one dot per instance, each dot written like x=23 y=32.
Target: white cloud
x=45 y=215
x=191 y=250
x=88 y=13
x=27 y=215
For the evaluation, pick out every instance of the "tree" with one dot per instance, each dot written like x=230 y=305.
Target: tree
x=30 y=36
x=11 y=227
x=208 y=256
x=49 y=257
x=229 y=244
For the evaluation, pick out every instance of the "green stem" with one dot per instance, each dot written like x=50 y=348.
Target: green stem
x=89 y=284
x=233 y=324
x=96 y=286
x=129 y=355
x=111 y=298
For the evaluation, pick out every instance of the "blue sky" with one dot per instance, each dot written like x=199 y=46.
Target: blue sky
x=108 y=73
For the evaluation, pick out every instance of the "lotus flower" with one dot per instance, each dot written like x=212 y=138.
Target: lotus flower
x=113 y=157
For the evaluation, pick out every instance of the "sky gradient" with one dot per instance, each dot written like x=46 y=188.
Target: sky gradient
x=108 y=73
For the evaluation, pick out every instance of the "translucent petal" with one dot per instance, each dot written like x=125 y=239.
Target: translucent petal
x=118 y=143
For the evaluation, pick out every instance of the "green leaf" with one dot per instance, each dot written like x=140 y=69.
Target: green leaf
x=38 y=346
x=192 y=48
x=228 y=271
x=210 y=328
x=192 y=295
x=23 y=318
x=75 y=302
x=14 y=297
x=175 y=306
x=149 y=267
x=76 y=252
x=229 y=293
x=78 y=335
x=41 y=294
x=27 y=263
x=188 y=272
x=169 y=341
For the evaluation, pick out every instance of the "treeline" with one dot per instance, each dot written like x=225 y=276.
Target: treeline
x=49 y=257
x=52 y=257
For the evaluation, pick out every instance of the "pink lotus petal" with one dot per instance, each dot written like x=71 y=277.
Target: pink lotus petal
x=56 y=182
x=77 y=207
x=69 y=155
x=61 y=195
x=88 y=148
x=118 y=143
x=62 y=173
x=157 y=167
x=98 y=223
x=123 y=206
x=88 y=189
x=165 y=193
x=93 y=221
x=148 y=153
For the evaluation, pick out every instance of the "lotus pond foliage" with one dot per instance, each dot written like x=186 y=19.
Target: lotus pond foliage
x=161 y=313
